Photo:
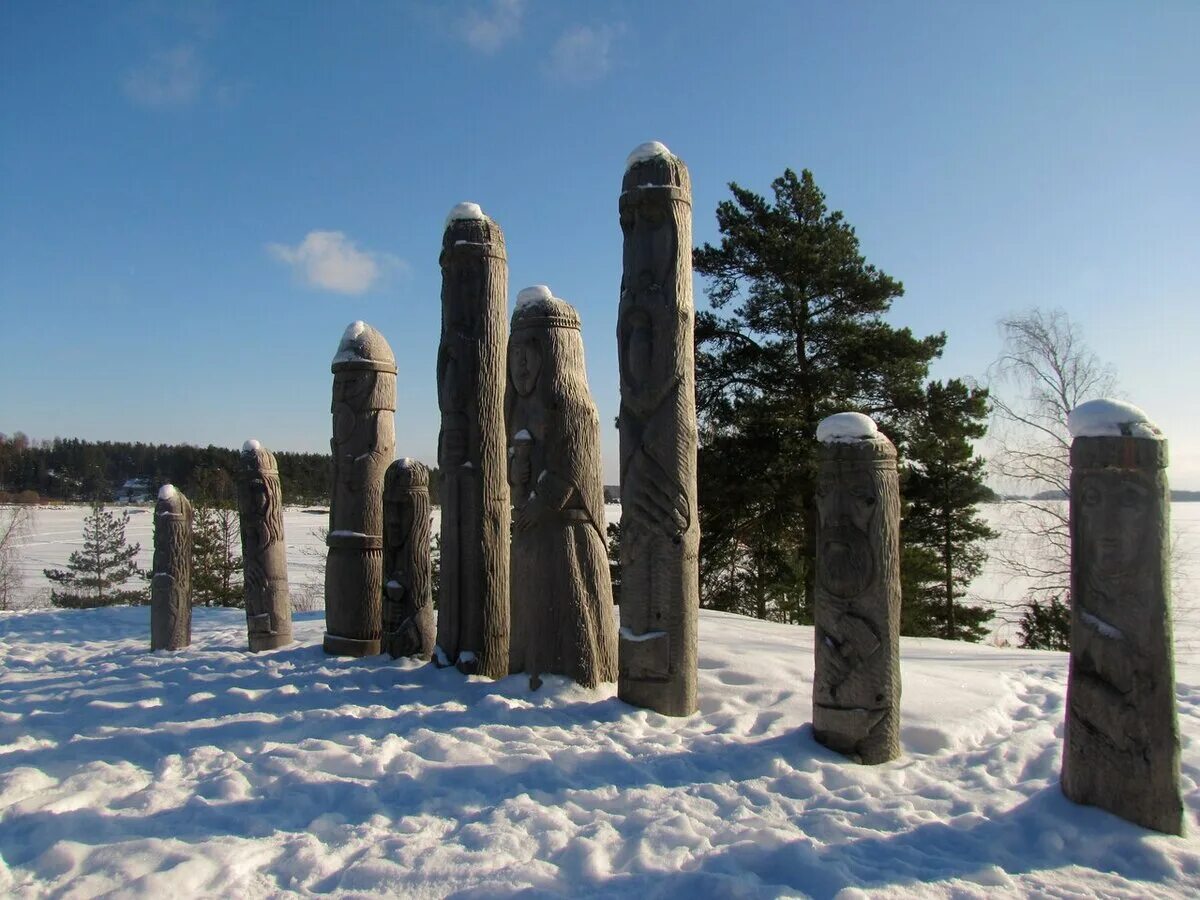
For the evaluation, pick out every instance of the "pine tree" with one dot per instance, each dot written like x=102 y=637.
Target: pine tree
x=216 y=540
x=216 y=563
x=95 y=575
x=943 y=533
x=803 y=337
x=1046 y=625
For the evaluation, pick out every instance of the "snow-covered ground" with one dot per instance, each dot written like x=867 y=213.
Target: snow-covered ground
x=215 y=772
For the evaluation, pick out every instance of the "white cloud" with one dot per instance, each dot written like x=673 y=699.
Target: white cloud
x=488 y=32
x=168 y=78
x=582 y=54
x=328 y=260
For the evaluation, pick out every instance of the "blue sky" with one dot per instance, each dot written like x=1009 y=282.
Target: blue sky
x=195 y=199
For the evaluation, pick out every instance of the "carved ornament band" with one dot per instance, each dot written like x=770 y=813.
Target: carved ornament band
x=474 y=249
x=524 y=322
x=373 y=365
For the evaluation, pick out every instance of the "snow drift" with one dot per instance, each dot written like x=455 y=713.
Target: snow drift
x=215 y=772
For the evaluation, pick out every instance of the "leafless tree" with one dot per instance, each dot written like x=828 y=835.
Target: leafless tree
x=15 y=523
x=1044 y=371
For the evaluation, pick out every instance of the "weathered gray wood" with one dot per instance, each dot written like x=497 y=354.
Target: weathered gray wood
x=563 y=620
x=364 y=441
x=856 y=683
x=264 y=550
x=473 y=608
x=171 y=578
x=660 y=532
x=1121 y=746
x=408 y=621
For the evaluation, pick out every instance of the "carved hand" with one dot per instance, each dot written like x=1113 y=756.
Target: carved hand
x=529 y=515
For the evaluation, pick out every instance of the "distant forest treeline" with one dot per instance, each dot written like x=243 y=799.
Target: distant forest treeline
x=73 y=469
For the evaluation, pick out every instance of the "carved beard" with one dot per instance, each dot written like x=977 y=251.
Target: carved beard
x=847 y=566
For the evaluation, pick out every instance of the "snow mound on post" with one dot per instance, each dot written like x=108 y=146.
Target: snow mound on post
x=646 y=151
x=464 y=210
x=251 y=446
x=167 y=492
x=1111 y=418
x=846 y=428
x=534 y=294
x=346 y=347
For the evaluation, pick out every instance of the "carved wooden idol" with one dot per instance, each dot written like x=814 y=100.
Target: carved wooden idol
x=1121 y=745
x=364 y=440
x=171 y=580
x=856 y=685
x=408 y=623
x=563 y=620
x=473 y=614
x=264 y=551
x=660 y=534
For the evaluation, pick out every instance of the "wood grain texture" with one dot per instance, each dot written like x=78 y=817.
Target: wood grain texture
x=660 y=533
x=171 y=581
x=1121 y=744
x=473 y=601
x=856 y=681
x=561 y=589
x=264 y=550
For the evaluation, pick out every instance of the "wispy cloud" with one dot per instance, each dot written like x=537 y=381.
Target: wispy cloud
x=582 y=53
x=328 y=260
x=488 y=31
x=169 y=78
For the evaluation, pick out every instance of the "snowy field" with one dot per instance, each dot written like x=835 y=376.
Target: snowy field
x=57 y=531
x=215 y=772
x=1000 y=590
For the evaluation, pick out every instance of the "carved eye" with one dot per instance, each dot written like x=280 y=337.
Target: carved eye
x=1131 y=497
x=1091 y=497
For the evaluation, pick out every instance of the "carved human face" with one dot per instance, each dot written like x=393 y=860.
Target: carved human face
x=649 y=250
x=524 y=363
x=398 y=518
x=260 y=498
x=1114 y=520
x=350 y=392
x=846 y=505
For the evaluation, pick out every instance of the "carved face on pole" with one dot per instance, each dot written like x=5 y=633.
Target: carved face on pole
x=524 y=362
x=351 y=390
x=398 y=516
x=263 y=504
x=1117 y=509
x=655 y=210
x=847 y=507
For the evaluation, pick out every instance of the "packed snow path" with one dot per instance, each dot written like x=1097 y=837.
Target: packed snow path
x=214 y=772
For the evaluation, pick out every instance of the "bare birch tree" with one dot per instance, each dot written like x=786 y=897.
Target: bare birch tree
x=1044 y=371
